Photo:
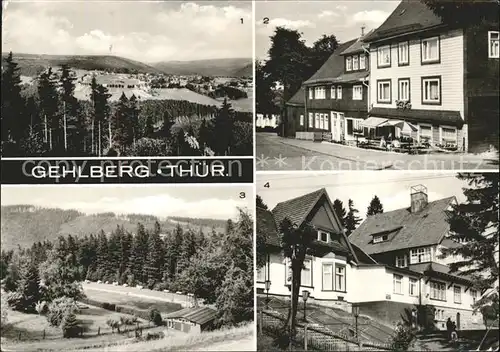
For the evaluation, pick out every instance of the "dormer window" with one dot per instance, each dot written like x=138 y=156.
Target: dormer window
x=348 y=63
x=323 y=236
x=380 y=238
x=355 y=63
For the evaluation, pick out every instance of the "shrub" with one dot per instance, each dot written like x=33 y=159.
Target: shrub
x=148 y=147
x=402 y=338
x=42 y=307
x=15 y=300
x=3 y=311
x=70 y=325
x=59 y=309
x=155 y=317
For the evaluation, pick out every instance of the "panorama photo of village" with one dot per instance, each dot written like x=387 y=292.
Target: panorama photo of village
x=122 y=268
x=377 y=261
x=362 y=85
x=126 y=79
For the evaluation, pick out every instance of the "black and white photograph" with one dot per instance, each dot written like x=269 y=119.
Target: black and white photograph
x=127 y=78
x=371 y=85
x=123 y=268
x=377 y=261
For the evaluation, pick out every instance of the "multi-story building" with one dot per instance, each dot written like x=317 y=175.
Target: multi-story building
x=443 y=79
x=389 y=266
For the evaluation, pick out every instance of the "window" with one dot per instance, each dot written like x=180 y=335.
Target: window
x=323 y=236
x=311 y=120
x=339 y=278
x=319 y=93
x=302 y=120
x=339 y=92
x=430 y=50
x=403 y=57
x=355 y=62
x=311 y=96
x=348 y=63
x=493 y=52
x=439 y=314
x=431 y=90
x=261 y=274
x=306 y=273
x=438 y=290
x=362 y=62
x=401 y=261
x=357 y=93
x=473 y=294
x=332 y=92
x=321 y=121
x=425 y=133
x=420 y=255
x=384 y=91
x=448 y=135
x=328 y=277
x=397 y=281
x=404 y=89
x=381 y=238
x=457 y=294
x=413 y=287
x=316 y=124
x=384 y=56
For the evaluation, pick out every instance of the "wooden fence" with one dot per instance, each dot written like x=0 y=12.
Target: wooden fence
x=314 y=336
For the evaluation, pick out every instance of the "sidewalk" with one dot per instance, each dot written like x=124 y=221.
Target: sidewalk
x=393 y=160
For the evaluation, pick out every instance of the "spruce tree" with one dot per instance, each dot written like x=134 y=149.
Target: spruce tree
x=12 y=102
x=476 y=222
x=154 y=260
x=102 y=267
x=260 y=203
x=69 y=325
x=375 y=207
x=339 y=209
x=71 y=132
x=47 y=92
x=29 y=285
x=351 y=220
x=223 y=129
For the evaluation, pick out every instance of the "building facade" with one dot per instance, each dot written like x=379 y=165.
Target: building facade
x=434 y=76
x=390 y=266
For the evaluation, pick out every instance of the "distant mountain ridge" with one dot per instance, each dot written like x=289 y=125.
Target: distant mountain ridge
x=211 y=67
x=25 y=224
x=33 y=64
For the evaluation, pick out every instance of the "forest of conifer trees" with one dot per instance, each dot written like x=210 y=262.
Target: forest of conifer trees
x=215 y=266
x=50 y=121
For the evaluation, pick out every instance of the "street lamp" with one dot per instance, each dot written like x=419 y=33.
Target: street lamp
x=267 y=284
x=305 y=296
x=355 y=312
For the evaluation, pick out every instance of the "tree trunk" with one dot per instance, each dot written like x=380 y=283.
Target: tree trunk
x=50 y=138
x=93 y=135
x=65 y=128
x=110 y=137
x=99 y=139
x=46 y=127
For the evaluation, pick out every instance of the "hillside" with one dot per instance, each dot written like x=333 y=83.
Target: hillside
x=237 y=67
x=32 y=64
x=26 y=224
x=246 y=71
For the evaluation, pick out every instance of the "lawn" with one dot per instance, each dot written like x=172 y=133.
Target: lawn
x=25 y=332
x=142 y=303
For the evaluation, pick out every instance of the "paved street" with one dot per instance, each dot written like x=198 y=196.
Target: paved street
x=276 y=153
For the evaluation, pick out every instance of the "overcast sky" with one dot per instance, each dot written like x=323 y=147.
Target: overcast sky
x=315 y=18
x=197 y=201
x=392 y=187
x=144 y=31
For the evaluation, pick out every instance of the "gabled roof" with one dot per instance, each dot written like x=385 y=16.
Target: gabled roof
x=410 y=16
x=198 y=315
x=357 y=46
x=423 y=228
x=267 y=226
x=298 y=98
x=297 y=209
x=333 y=67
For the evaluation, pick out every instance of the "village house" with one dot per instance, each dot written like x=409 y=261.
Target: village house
x=389 y=267
x=442 y=79
x=192 y=319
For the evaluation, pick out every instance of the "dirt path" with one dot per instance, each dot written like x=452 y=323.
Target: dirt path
x=244 y=344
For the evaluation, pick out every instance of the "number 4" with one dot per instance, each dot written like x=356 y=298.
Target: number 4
x=267 y=185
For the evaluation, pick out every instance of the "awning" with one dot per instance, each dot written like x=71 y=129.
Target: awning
x=373 y=122
x=403 y=125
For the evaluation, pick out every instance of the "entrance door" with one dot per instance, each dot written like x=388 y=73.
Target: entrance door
x=334 y=126
x=458 y=321
x=341 y=123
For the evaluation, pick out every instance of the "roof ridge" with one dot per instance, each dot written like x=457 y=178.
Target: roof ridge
x=292 y=199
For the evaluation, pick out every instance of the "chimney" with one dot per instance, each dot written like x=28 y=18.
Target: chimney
x=363 y=30
x=419 y=198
